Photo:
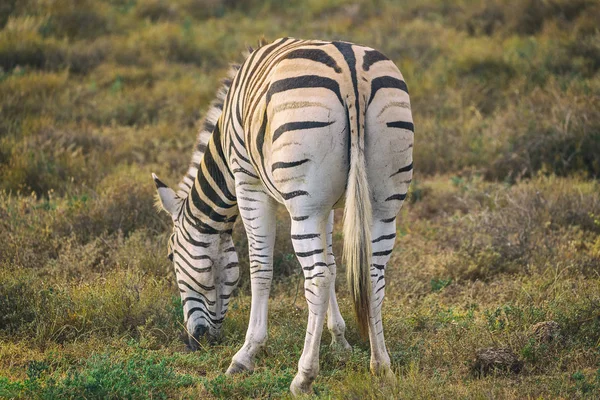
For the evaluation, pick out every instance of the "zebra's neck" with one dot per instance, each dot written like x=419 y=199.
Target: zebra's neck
x=211 y=205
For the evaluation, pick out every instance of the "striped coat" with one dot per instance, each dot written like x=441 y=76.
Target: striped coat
x=313 y=125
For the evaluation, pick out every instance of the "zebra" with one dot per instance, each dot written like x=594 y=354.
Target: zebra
x=313 y=125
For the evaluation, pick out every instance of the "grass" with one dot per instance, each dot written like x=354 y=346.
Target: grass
x=501 y=229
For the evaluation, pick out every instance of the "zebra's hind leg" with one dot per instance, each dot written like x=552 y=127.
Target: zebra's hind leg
x=258 y=214
x=335 y=322
x=383 y=237
x=309 y=236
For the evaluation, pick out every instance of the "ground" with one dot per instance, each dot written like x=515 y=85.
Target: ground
x=500 y=232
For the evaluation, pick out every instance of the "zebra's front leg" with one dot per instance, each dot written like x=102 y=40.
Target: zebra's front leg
x=310 y=244
x=335 y=322
x=258 y=214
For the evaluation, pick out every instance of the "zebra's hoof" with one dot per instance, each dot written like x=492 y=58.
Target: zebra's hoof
x=301 y=385
x=384 y=372
x=237 y=368
x=341 y=350
x=340 y=344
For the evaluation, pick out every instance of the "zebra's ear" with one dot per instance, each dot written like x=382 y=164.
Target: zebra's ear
x=167 y=198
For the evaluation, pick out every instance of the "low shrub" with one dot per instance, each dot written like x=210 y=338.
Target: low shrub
x=136 y=376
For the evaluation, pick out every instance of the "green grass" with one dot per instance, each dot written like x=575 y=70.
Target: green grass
x=501 y=230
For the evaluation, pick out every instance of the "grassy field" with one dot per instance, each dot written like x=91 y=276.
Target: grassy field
x=501 y=230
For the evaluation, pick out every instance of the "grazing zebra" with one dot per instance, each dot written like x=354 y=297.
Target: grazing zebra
x=313 y=125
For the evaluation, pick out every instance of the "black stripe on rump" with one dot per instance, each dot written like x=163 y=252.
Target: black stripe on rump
x=371 y=57
x=409 y=167
x=283 y=164
x=397 y=196
x=304 y=81
x=348 y=53
x=316 y=55
x=296 y=126
x=386 y=82
x=402 y=125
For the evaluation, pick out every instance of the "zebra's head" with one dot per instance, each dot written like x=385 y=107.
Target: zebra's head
x=206 y=268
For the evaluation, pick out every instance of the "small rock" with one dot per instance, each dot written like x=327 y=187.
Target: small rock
x=496 y=359
x=546 y=332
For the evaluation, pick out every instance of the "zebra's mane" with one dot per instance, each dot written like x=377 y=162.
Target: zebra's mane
x=206 y=128
x=208 y=124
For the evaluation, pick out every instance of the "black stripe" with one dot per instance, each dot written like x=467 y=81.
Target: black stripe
x=382 y=253
x=317 y=275
x=260 y=140
x=199 y=270
x=295 y=126
x=182 y=247
x=245 y=171
x=207 y=189
x=409 y=167
x=205 y=208
x=261 y=270
x=371 y=57
x=386 y=82
x=305 y=236
x=213 y=169
x=309 y=253
x=317 y=264
x=388 y=220
x=188 y=238
x=196 y=224
x=201 y=147
x=402 y=125
x=210 y=314
x=300 y=218
x=208 y=125
x=398 y=196
x=202 y=300
x=348 y=53
x=316 y=55
x=384 y=237
x=231 y=283
x=283 y=164
x=201 y=286
x=295 y=193
x=304 y=81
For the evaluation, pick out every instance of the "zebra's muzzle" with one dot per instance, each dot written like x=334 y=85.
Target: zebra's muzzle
x=196 y=336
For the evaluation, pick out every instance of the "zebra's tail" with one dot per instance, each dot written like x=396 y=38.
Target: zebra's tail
x=357 y=221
